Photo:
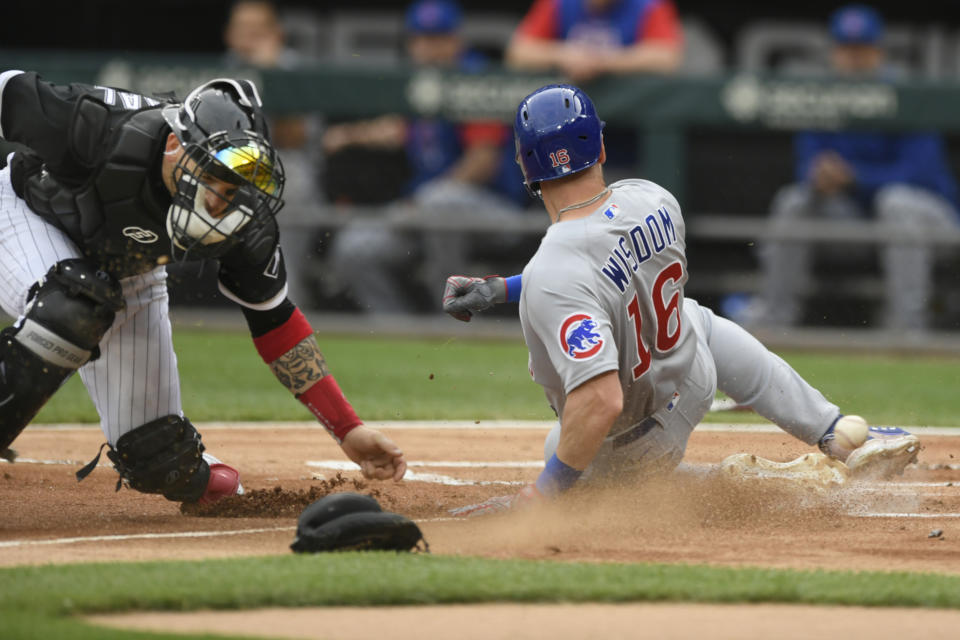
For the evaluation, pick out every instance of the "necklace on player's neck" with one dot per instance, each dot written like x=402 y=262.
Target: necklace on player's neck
x=602 y=194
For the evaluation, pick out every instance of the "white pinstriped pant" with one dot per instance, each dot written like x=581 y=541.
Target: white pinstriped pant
x=135 y=379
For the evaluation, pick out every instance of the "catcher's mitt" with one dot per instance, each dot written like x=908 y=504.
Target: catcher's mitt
x=354 y=522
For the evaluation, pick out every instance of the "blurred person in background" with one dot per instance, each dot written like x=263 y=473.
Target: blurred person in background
x=457 y=170
x=587 y=38
x=255 y=39
x=901 y=180
x=254 y=36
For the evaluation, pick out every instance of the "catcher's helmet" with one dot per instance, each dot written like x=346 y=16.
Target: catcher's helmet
x=557 y=133
x=229 y=160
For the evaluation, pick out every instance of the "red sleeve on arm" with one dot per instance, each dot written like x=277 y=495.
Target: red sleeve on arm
x=661 y=23
x=541 y=21
x=483 y=132
x=277 y=342
x=327 y=402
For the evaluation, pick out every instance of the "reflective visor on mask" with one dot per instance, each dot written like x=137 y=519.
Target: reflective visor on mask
x=250 y=163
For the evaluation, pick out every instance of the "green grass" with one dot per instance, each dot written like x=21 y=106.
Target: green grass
x=223 y=378
x=37 y=602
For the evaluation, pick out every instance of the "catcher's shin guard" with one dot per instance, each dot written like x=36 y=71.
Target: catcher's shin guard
x=68 y=312
x=162 y=456
x=26 y=383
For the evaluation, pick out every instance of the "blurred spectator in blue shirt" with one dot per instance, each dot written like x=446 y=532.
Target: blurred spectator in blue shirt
x=587 y=38
x=902 y=180
x=457 y=170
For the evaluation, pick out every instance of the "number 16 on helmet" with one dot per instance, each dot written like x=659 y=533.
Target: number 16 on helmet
x=557 y=133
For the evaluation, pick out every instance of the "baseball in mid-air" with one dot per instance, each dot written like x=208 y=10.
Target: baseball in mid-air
x=851 y=431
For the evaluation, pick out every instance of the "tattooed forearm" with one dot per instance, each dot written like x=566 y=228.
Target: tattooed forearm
x=300 y=367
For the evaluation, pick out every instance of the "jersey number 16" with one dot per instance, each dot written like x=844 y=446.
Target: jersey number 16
x=664 y=311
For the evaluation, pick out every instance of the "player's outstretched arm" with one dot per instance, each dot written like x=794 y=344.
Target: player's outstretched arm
x=293 y=355
x=464 y=296
x=588 y=415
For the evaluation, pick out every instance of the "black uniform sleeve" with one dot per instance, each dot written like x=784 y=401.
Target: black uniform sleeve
x=263 y=322
x=253 y=273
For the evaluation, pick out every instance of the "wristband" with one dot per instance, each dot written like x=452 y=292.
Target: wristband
x=514 y=286
x=557 y=477
x=327 y=402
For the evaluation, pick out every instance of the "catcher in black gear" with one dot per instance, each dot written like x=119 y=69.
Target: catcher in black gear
x=108 y=188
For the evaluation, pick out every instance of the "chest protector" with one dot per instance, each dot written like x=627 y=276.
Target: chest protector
x=116 y=214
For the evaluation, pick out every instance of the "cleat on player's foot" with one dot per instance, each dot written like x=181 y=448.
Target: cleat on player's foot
x=224 y=481
x=886 y=453
x=811 y=469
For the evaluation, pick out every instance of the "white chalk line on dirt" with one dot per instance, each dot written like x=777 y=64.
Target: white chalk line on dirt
x=141 y=536
x=904 y=515
x=342 y=465
x=480 y=425
x=179 y=534
x=437 y=478
x=60 y=462
x=433 y=478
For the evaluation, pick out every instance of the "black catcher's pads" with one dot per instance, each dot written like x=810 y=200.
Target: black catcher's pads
x=68 y=312
x=354 y=522
x=163 y=456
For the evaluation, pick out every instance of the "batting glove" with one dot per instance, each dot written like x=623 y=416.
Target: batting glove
x=464 y=295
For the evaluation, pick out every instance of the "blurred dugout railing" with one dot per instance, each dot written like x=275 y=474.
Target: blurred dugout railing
x=664 y=108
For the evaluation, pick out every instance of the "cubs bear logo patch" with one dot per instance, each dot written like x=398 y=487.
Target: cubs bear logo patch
x=579 y=338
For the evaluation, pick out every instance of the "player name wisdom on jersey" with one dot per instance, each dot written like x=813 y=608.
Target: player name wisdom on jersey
x=638 y=245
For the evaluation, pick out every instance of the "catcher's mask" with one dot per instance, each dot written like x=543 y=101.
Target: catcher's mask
x=229 y=180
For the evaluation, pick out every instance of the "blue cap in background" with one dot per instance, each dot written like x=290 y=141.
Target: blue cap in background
x=433 y=16
x=856 y=24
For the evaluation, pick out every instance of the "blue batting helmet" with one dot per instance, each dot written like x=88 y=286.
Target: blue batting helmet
x=557 y=133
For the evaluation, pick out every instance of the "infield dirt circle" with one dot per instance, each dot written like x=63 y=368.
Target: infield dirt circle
x=49 y=518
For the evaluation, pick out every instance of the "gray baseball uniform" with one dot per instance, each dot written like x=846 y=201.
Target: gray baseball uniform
x=605 y=293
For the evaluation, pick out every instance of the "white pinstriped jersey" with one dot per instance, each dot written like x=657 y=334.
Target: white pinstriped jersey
x=605 y=292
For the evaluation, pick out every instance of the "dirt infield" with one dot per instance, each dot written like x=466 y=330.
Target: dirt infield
x=50 y=518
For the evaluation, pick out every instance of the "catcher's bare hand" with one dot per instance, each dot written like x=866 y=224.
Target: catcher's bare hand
x=378 y=456
x=465 y=295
